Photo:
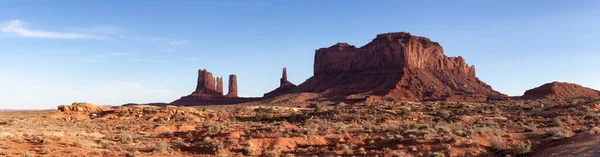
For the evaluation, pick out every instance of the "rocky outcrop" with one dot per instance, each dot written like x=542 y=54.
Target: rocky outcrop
x=284 y=81
x=209 y=91
x=560 y=90
x=233 y=90
x=206 y=85
x=395 y=66
x=285 y=86
x=81 y=107
x=220 y=84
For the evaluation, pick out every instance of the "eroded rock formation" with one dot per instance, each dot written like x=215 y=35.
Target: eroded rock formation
x=209 y=91
x=220 y=85
x=395 y=66
x=206 y=84
x=285 y=86
x=560 y=90
x=233 y=90
x=81 y=107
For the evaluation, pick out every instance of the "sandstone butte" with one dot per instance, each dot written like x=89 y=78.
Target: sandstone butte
x=209 y=90
x=394 y=66
x=560 y=90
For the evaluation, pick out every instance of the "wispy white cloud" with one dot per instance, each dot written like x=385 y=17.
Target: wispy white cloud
x=17 y=27
x=104 y=32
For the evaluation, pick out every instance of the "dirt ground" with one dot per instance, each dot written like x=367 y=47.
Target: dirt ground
x=279 y=128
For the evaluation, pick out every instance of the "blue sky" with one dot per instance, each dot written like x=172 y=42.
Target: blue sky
x=116 y=52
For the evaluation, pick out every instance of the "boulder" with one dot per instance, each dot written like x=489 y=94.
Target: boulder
x=81 y=107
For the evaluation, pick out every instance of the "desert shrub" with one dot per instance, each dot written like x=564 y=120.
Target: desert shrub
x=345 y=148
x=77 y=144
x=443 y=113
x=207 y=140
x=45 y=141
x=442 y=129
x=27 y=154
x=530 y=128
x=522 y=149
x=318 y=108
x=178 y=145
x=407 y=111
x=594 y=130
x=271 y=153
x=556 y=134
x=249 y=151
x=460 y=105
x=497 y=143
x=460 y=132
x=454 y=139
x=215 y=129
x=262 y=115
x=437 y=154
x=413 y=126
x=443 y=103
x=133 y=154
x=125 y=139
x=557 y=122
x=105 y=144
x=474 y=144
x=160 y=147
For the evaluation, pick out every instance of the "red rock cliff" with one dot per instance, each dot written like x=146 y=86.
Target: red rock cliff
x=392 y=51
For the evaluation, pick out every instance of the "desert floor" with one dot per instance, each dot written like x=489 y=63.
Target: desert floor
x=503 y=128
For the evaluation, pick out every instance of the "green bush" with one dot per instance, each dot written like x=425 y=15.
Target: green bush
x=522 y=149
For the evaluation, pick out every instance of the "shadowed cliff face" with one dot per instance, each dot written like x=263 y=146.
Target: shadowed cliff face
x=397 y=66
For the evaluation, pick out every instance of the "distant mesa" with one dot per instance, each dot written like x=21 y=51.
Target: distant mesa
x=560 y=90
